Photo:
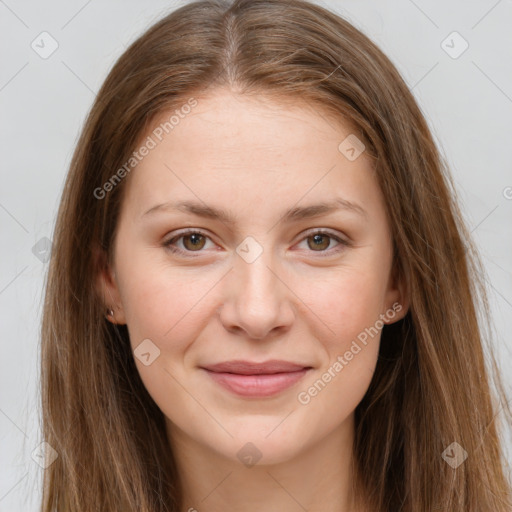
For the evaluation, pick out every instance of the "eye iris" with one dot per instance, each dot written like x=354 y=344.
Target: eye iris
x=196 y=237
x=318 y=241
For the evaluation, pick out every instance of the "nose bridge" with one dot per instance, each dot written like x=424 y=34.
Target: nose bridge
x=259 y=301
x=253 y=268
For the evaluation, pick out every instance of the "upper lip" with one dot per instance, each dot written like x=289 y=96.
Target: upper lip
x=252 y=368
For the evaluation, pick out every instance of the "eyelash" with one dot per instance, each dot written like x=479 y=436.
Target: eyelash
x=168 y=244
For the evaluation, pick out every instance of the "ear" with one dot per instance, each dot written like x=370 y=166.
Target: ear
x=397 y=296
x=106 y=287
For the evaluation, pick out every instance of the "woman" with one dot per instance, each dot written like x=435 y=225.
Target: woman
x=262 y=295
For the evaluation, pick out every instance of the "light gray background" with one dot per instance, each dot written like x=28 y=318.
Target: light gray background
x=467 y=102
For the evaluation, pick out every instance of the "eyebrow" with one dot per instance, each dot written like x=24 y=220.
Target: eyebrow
x=292 y=215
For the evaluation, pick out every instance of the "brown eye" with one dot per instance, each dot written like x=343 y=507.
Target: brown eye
x=320 y=242
x=187 y=242
x=194 y=241
x=324 y=243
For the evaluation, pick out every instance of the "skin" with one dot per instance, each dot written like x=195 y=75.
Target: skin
x=257 y=158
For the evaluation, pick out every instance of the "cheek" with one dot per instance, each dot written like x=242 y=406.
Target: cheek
x=168 y=306
x=160 y=300
x=350 y=304
x=351 y=307
x=345 y=303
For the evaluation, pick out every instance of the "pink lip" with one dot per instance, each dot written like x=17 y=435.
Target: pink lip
x=256 y=379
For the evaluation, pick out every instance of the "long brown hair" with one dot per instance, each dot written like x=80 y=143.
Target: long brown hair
x=432 y=384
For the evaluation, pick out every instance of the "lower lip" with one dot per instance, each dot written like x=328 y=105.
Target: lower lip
x=257 y=385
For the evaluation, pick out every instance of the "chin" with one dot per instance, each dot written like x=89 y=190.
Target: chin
x=261 y=441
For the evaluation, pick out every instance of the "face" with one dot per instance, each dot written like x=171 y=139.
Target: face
x=271 y=279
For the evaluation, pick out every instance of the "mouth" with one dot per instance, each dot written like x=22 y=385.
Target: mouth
x=256 y=380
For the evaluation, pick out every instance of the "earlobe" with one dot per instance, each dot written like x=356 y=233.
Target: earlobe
x=398 y=298
x=395 y=312
x=107 y=289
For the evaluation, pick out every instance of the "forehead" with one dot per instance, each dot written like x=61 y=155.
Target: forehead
x=247 y=151
x=253 y=120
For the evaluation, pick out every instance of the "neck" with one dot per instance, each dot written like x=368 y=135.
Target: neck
x=316 y=479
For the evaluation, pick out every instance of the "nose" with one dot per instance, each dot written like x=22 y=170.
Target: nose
x=257 y=302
